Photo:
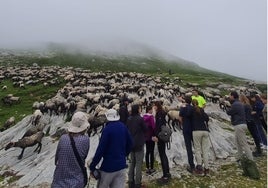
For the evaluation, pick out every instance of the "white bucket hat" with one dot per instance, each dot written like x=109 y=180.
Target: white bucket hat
x=79 y=123
x=112 y=115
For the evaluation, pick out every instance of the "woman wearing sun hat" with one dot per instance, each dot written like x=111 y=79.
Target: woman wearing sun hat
x=115 y=144
x=68 y=171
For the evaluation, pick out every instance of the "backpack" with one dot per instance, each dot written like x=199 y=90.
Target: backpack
x=165 y=134
x=250 y=168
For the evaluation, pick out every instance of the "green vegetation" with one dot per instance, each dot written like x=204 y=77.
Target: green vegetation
x=28 y=96
x=229 y=175
x=167 y=70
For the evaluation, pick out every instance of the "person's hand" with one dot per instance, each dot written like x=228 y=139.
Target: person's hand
x=155 y=139
x=181 y=99
x=91 y=175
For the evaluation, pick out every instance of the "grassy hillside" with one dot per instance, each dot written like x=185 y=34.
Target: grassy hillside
x=167 y=69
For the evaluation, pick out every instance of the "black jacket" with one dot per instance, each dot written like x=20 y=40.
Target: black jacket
x=160 y=119
x=137 y=129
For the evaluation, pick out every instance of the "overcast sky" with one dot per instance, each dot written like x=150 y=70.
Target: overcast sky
x=229 y=36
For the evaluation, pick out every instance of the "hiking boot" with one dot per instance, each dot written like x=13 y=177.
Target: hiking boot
x=257 y=154
x=199 y=170
x=148 y=171
x=152 y=171
x=163 y=180
x=206 y=172
x=190 y=169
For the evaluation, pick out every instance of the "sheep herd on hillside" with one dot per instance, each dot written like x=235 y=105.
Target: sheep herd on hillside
x=95 y=92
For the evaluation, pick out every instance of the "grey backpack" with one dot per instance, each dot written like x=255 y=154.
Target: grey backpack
x=165 y=134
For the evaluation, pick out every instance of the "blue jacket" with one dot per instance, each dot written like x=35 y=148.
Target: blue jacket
x=186 y=114
x=115 y=144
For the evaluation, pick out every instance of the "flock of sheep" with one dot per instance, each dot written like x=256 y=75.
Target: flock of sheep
x=94 y=93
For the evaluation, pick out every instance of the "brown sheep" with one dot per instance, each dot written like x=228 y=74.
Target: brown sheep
x=28 y=141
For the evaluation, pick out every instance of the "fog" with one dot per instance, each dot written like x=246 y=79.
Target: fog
x=229 y=36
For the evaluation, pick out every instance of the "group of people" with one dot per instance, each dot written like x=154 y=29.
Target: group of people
x=126 y=134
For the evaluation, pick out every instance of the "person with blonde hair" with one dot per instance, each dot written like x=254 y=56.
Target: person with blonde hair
x=251 y=124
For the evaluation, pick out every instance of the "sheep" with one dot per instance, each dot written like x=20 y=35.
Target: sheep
x=173 y=117
x=27 y=141
x=8 y=123
x=36 y=117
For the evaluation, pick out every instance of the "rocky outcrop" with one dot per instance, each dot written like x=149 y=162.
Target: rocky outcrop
x=35 y=170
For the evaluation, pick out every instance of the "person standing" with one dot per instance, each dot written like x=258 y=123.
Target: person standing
x=201 y=138
x=68 y=172
x=251 y=125
x=123 y=110
x=257 y=107
x=114 y=146
x=264 y=111
x=150 y=144
x=137 y=129
x=185 y=115
x=238 y=120
x=160 y=120
x=201 y=100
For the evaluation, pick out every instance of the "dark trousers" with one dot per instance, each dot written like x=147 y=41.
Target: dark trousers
x=264 y=123
x=254 y=133
x=163 y=158
x=188 y=139
x=149 y=155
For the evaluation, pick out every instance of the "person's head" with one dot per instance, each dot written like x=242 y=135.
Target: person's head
x=234 y=96
x=264 y=98
x=112 y=115
x=195 y=92
x=244 y=99
x=196 y=107
x=135 y=109
x=158 y=106
x=79 y=123
x=188 y=99
x=194 y=102
x=253 y=97
x=149 y=109
x=125 y=100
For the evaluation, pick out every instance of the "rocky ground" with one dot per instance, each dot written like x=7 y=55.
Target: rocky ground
x=36 y=170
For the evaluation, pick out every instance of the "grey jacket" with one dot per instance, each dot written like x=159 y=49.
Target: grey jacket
x=237 y=113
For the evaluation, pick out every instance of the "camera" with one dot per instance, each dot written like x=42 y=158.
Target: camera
x=96 y=174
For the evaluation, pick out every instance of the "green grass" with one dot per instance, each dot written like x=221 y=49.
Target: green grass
x=229 y=175
x=28 y=96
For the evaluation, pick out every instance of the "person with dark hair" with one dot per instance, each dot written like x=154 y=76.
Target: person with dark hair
x=114 y=146
x=123 y=110
x=149 y=143
x=201 y=138
x=200 y=99
x=257 y=107
x=70 y=169
x=187 y=129
x=238 y=120
x=251 y=125
x=160 y=120
x=137 y=129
